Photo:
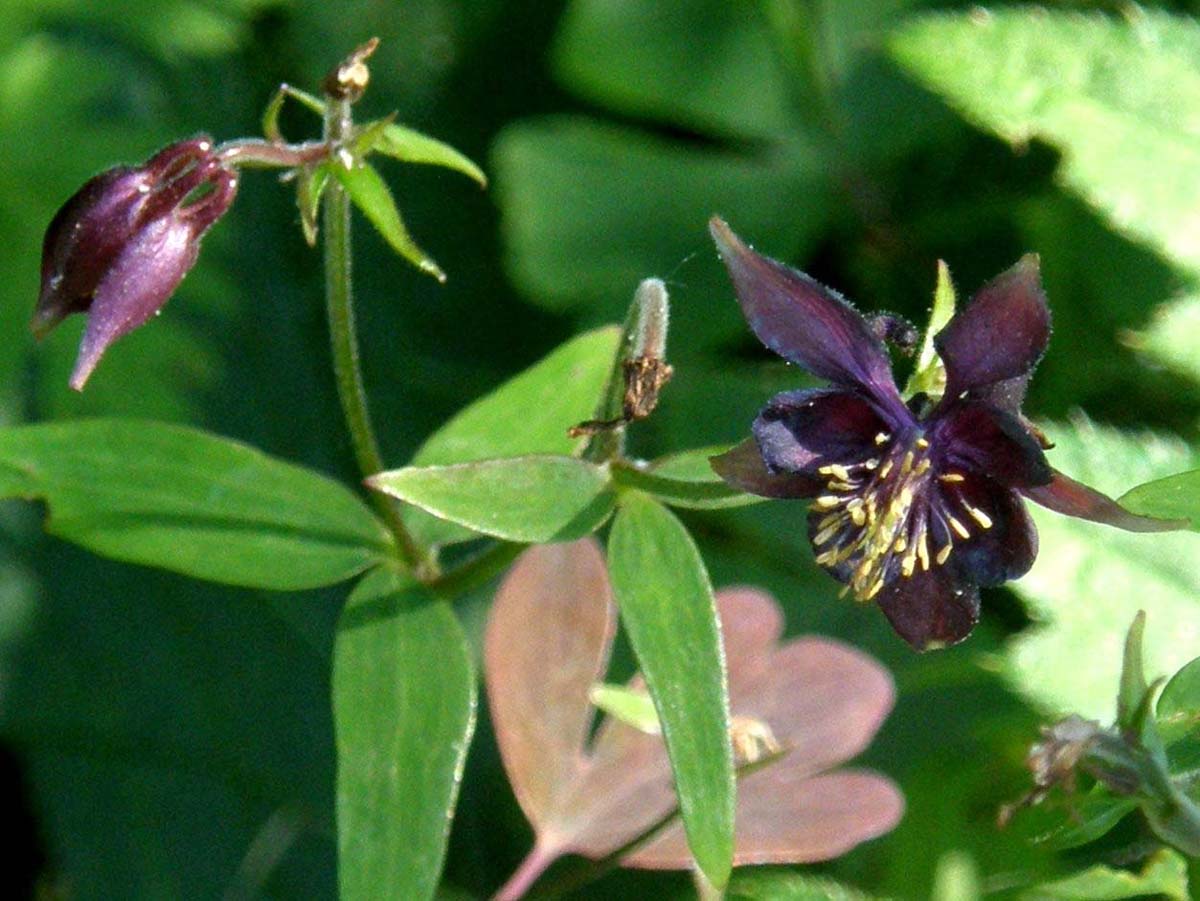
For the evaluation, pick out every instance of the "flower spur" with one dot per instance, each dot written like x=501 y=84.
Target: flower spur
x=914 y=505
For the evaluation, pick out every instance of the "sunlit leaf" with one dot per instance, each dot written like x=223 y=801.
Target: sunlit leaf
x=191 y=502
x=1164 y=874
x=756 y=884
x=1090 y=580
x=1130 y=145
x=403 y=726
x=708 y=492
x=531 y=499
x=1174 y=497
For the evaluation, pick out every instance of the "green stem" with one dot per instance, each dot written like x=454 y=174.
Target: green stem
x=344 y=343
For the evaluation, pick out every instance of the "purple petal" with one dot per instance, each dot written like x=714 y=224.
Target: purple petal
x=822 y=699
x=798 y=431
x=785 y=816
x=1003 y=550
x=547 y=640
x=1000 y=334
x=1064 y=495
x=932 y=608
x=977 y=438
x=141 y=279
x=805 y=322
x=742 y=467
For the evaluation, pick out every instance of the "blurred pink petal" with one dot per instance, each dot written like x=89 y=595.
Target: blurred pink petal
x=786 y=815
x=547 y=641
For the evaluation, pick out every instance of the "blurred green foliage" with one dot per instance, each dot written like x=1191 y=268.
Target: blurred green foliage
x=175 y=739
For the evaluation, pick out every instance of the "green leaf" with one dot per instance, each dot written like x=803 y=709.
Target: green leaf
x=546 y=399
x=1089 y=819
x=1131 y=699
x=310 y=187
x=1131 y=146
x=1165 y=874
x=1175 y=497
x=1179 y=704
x=191 y=502
x=640 y=58
x=698 y=493
x=667 y=607
x=404 y=711
x=371 y=195
x=1173 y=335
x=548 y=170
x=956 y=878
x=761 y=884
x=633 y=707
x=411 y=146
x=1089 y=580
x=530 y=499
x=929 y=375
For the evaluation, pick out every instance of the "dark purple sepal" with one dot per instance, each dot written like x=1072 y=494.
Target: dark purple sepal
x=931 y=609
x=1000 y=334
x=81 y=241
x=805 y=322
x=1007 y=548
x=797 y=431
x=742 y=467
x=973 y=436
x=1064 y=495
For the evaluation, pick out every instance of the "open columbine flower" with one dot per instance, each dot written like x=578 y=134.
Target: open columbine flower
x=119 y=248
x=917 y=504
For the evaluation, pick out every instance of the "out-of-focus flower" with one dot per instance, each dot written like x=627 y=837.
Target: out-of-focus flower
x=800 y=709
x=122 y=244
x=915 y=504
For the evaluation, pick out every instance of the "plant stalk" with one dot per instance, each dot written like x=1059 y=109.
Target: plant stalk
x=339 y=304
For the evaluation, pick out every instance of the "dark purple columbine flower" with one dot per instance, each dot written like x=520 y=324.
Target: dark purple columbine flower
x=122 y=244
x=915 y=505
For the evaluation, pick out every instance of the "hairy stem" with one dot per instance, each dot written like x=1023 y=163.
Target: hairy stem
x=344 y=342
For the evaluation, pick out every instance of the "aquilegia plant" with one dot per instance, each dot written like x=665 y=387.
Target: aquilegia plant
x=917 y=501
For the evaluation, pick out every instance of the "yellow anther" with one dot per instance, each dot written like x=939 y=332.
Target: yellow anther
x=904 y=501
x=835 y=469
x=900 y=546
x=883 y=438
x=951 y=477
x=826 y=533
x=872 y=464
x=826 y=557
x=908 y=565
x=875 y=589
x=923 y=466
x=838 y=485
x=979 y=516
x=943 y=555
x=958 y=527
x=923 y=551
x=858 y=514
x=828 y=501
x=887 y=467
x=906 y=464
x=922 y=443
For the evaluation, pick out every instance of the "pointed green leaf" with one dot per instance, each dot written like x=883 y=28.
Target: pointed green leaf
x=368 y=136
x=633 y=707
x=310 y=186
x=1134 y=688
x=1164 y=875
x=411 y=146
x=706 y=491
x=404 y=711
x=779 y=884
x=270 y=119
x=546 y=399
x=191 y=502
x=371 y=195
x=667 y=607
x=531 y=499
x=929 y=375
x=1175 y=497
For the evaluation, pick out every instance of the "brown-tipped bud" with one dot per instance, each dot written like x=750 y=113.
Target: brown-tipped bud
x=122 y=244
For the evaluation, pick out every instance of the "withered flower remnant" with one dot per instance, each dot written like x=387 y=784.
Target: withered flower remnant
x=119 y=247
x=915 y=504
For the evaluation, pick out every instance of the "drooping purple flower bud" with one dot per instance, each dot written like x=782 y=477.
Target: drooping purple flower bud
x=122 y=244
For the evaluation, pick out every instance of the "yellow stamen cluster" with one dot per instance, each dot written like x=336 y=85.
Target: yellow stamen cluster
x=876 y=515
